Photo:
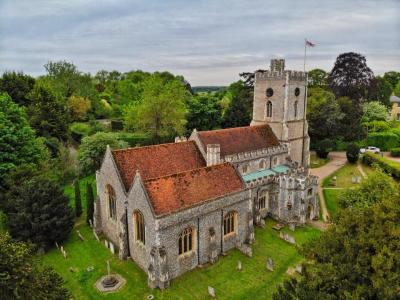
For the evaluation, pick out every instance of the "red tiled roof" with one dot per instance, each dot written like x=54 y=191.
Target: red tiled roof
x=178 y=191
x=240 y=139
x=158 y=160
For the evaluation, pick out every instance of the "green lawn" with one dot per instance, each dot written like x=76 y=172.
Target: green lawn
x=316 y=162
x=331 y=200
x=343 y=176
x=253 y=282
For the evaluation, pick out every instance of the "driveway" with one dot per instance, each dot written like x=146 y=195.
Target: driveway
x=337 y=160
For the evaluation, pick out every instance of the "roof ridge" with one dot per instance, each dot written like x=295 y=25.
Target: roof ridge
x=150 y=146
x=187 y=171
x=233 y=128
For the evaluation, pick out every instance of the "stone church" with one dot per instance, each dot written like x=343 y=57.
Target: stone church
x=172 y=207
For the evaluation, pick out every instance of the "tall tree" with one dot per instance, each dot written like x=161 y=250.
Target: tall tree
x=357 y=257
x=18 y=144
x=374 y=111
x=350 y=76
x=22 y=278
x=78 y=107
x=48 y=114
x=78 y=200
x=350 y=127
x=17 y=85
x=317 y=78
x=41 y=212
x=204 y=113
x=381 y=90
x=392 y=77
x=162 y=110
x=89 y=203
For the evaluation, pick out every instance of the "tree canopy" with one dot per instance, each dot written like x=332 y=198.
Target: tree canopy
x=317 y=78
x=17 y=85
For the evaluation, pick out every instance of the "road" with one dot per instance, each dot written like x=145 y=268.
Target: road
x=337 y=160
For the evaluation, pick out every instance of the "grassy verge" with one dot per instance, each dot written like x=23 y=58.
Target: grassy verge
x=254 y=281
x=316 y=162
x=331 y=200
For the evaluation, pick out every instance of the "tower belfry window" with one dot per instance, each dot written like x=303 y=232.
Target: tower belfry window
x=269 y=109
x=296 y=105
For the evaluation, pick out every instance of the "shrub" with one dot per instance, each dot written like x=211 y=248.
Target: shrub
x=352 y=153
x=78 y=200
x=395 y=152
x=79 y=130
x=89 y=203
x=383 y=140
x=323 y=148
x=385 y=164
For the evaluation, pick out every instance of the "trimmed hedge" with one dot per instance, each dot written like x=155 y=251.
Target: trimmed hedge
x=134 y=139
x=385 y=164
x=383 y=140
x=395 y=152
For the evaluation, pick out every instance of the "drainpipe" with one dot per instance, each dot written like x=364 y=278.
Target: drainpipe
x=127 y=227
x=222 y=232
x=198 y=241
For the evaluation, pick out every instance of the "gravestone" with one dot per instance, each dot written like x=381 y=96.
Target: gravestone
x=270 y=264
x=57 y=245
x=211 y=291
x=80 y=236
x=288 y=238
x=353 y=179
x=111 y=245
x=96 y=236
x=90 y=223
x=292 y=226
x=262 y=223
x=239 y=266
x=299 y=269
x=358 y=179
x=106 y=243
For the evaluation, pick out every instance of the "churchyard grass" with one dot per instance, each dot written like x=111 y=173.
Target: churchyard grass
x=331 y=200
x=254 y=281
x=344 y=177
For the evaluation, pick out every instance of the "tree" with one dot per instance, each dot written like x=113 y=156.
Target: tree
x=18 y=144
x=41 y=212
x=397 y=89
x=381 y=90
x=239 y=110
x=350 y=76
x=47 y=113
x=78 y=107
x=317 y=78
x=89 y=203
x=204 y=113
x=357 y=257
x=22 y=278
x=323 y=114
x=392 y=77
x=350 y=127
x=78 y=200
x=162 y=110
x=374 y=111
x=92 y=149
x=324 y=147
x=352 y=153
x=17 y=85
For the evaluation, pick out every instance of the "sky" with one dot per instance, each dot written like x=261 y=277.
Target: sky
x=208 y=42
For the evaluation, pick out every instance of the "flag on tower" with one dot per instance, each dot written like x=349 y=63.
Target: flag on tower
x=308 y=43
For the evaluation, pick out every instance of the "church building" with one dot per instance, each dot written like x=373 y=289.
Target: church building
x=172 y=207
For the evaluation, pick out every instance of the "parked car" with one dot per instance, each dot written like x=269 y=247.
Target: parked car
x=372 y=149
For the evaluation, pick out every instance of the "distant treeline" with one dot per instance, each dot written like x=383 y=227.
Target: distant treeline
x=205 y=89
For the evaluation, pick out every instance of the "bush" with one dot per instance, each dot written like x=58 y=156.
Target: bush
x=395 y=152
x=383 y=140
x=79 y=131
x=385 y=164
x=352 y=153
x=323 y=148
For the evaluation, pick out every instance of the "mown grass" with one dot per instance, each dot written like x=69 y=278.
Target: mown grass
x=343 y=177
x=254 y=281
x=331 y=197
x=316 y=162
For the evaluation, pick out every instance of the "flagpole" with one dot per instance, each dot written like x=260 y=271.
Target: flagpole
x=305 y=54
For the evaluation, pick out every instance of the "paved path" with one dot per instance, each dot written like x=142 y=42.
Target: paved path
x=337 y=160
x=388 y=156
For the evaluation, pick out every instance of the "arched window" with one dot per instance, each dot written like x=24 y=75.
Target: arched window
x=262 y=165
x=229 y=223
x=245 y=169
x=185 y=243
x=262 y=200
x=112 y=202
x=269 y=109
x=140 y=234
x=275 y=161
x=296 y=104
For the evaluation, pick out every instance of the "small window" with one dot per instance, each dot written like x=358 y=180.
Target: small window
x=245 y=169
x=297 y=92
x=269 y=109
x=262 y=200
x=262 y=165
x=229 y=223
x=140 y=231
x=296 y=104
x=185 y=243
x=309 y=192
x=269 y=92
x=289 y=206
x=275 y=161
x=112 y=202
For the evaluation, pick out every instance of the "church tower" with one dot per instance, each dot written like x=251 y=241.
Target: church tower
x=280 y=100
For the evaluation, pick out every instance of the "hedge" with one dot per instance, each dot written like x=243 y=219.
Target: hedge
x=390 y=167
x=383 y=140
x=134 y=139
x=395 y=152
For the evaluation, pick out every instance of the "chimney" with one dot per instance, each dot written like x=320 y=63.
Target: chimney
x=213 y=154
x=278 y=65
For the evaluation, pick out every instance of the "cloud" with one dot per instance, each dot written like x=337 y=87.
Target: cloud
x=209 y=42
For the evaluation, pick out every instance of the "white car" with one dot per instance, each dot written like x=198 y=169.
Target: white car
x=372 y=149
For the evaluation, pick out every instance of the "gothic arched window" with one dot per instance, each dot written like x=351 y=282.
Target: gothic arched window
x=112 y=202
x=245 y=169
x=185 y=243
x=296 y=104
x=269 y=109
x=262 y=165
x=262 y=200
x=140 y=233
x=229 y=223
